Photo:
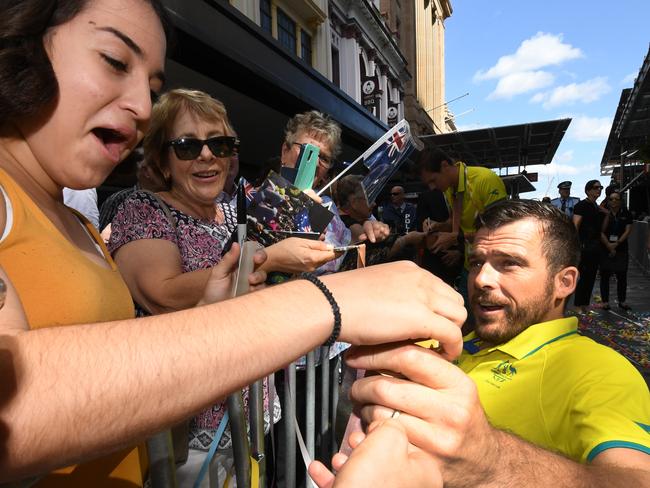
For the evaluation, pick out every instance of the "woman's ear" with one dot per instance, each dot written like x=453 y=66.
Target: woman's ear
x=284 y=153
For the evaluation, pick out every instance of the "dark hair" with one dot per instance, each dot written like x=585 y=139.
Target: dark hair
x=27 y=80
x=431 y=159
x=346 y=189
x=560 y=243
x=590 y=184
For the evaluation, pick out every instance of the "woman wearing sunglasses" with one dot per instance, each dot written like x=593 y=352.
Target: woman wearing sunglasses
x=616 y=229
x=80 y=380
x=168 y=245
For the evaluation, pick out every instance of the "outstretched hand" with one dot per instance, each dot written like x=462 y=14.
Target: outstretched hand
x=382 y=458
x=439 y=405
x=222 y=275
x=444 y=241
x=373 y=231
x=297 y=255
x=408 y=303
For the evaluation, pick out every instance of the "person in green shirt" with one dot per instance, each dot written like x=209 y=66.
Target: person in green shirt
x=468 y=191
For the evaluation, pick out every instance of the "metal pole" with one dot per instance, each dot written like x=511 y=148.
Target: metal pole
x=335 y=403
x=256 y=416
x=325 y=395
x=240 y=447
x=213 y=473
x=162 y=471
x=310 y=406
x=256 y=401
x=290 y=428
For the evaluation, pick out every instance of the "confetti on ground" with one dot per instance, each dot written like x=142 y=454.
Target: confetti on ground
x=627 y=333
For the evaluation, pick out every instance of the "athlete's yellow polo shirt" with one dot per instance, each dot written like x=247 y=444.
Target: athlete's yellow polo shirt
x=480 y=188
x=561 y=391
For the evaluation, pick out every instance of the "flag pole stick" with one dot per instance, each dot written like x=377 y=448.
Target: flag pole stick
x=340 y=175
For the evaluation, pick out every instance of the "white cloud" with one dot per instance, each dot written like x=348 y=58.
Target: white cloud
x=586 y=129
x=629 y=79
x=586 y=92
x=537 y=52
x=518 y=83
x=565 y=157
x=538 y=97
x=556 y=168
x=563 y=166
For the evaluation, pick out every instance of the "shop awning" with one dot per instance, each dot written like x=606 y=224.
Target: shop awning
x=516 y=184
x=506 y=146
x=630 y=130
x=220 y=50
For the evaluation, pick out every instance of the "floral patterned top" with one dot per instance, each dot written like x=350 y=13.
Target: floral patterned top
x=201 y=244
x=199 y=241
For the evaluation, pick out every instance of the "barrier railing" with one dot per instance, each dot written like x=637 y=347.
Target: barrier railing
x=639 y=245
x=320 y=443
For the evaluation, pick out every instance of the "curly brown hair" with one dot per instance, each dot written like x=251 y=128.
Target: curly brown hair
x=27 y=79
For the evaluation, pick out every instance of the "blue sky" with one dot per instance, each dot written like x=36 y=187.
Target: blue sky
x=533 y=60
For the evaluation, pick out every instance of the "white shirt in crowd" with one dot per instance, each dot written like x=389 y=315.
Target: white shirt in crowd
x=84 y=201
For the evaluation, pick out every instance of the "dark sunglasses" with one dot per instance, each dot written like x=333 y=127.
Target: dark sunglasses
x=395 y=194
x=596 y=187
x=323 y=159
x=187 y=148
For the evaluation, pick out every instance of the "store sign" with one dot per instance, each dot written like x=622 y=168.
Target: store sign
x=370 y=92
x=392 y=114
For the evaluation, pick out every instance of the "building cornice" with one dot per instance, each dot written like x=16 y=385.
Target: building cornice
x=375 y=35
x=444 y=7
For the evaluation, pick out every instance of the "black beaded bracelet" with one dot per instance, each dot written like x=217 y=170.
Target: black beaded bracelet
x=336 y=330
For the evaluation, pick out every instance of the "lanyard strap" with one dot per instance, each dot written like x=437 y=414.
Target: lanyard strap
x=457 y=211
x=212 y=450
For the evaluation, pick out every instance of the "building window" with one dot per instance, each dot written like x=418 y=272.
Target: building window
x=305 y=47
x=286 y=31
x=265 y=15
x=336 y=70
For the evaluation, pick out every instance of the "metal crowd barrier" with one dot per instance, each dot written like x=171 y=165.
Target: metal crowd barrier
x=639 y=245
x=321 y=446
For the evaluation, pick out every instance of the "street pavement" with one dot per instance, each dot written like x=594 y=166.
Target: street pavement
x=628 y=332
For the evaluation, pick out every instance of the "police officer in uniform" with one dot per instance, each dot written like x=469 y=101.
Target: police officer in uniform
x=565 y=202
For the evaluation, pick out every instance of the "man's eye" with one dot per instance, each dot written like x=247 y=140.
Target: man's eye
x=115 y=63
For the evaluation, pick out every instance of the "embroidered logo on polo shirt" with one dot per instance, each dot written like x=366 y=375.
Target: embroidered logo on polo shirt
x=504 y=371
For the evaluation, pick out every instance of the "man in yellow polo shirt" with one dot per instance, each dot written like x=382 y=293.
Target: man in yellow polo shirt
x=529 y=402
x=468 y=191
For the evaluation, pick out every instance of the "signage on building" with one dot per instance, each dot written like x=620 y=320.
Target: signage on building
x=370 y=92
x=392 y=114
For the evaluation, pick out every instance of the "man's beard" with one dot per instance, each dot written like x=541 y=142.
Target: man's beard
x=514 y=321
